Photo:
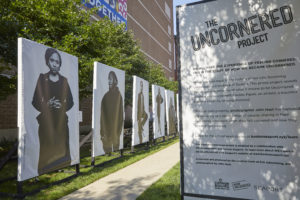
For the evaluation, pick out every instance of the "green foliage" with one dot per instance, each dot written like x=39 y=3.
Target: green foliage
x=67 y=26
x=7 y=84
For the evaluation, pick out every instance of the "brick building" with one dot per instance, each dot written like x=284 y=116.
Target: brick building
x=152 y=24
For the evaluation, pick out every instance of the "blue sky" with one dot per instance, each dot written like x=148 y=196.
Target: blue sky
x=176 y=3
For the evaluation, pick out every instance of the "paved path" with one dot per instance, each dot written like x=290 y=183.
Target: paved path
x=131 y=181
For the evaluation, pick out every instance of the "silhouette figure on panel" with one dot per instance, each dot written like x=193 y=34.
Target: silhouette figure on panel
x=142 y=116
x=172 y=118
x=159 y=100
x=53 y=98
x=111 y=119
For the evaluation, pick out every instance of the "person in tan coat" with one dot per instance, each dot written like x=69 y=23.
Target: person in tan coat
x=142 y=116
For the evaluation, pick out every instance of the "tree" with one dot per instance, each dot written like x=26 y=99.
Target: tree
x=67 y=26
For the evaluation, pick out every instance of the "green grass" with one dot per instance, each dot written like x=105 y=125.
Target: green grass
x=166 y=188
x=87 y=175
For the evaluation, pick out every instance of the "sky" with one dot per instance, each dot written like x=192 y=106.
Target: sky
x=177 y=3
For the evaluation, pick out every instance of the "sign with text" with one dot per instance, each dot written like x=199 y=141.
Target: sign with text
x=115 y=10
x=239 y=76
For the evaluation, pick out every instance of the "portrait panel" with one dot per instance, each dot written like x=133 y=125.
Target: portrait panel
x=140 y=111
x=48 y=109
x=158 y=103
x=170 y=112
x=108 y=109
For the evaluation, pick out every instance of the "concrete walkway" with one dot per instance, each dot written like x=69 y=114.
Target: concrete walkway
x=131 y=181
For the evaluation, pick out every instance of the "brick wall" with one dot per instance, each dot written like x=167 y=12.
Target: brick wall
x=8 y=112
x=86 y=107
x=150 y=25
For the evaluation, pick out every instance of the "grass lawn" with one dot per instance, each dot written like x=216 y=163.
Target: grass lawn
x=166 y=188
x=87 y=175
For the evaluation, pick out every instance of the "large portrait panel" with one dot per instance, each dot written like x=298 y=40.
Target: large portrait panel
x=48 y=109
x=158 y=103
x=140 y=111
x=108 y=109
x=170 y=112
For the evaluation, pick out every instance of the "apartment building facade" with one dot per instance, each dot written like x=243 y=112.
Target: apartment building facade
x=152 y=25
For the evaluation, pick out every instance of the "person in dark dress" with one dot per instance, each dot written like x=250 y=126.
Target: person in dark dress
x=111 y=118
x=142 y=116
x=53 y=98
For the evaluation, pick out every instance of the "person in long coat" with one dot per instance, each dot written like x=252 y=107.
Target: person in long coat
x=172 y=118
x=111 y=118
x=53 y=98
x=159 y=101
x=142 y=116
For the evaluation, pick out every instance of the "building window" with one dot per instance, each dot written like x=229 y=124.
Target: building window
x=170 y=47
x=169 y=29
x=170 y=63
x=167 y=10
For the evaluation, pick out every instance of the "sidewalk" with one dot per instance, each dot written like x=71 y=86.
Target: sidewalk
x=131 y=181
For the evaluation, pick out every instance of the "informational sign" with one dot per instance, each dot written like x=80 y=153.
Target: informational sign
x=239 y=77
x=48 y=108
x=140 y=111
x=108 y=109
x=170 y=112
x=115 y=10
x=158 y=103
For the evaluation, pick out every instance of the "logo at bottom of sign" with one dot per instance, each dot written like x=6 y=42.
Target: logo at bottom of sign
x=240 y=185
x=220 y=185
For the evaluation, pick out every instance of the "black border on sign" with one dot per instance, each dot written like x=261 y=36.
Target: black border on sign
x=182 y=193
x=212 y=197
x=197 y=2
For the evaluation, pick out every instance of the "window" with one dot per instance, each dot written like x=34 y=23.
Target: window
x=170 y=47
x=170 y=63
x=167 y=10
x=169 y=29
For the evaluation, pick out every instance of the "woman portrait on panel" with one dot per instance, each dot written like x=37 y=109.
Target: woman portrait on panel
x=53 y=98
x=111 y=118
